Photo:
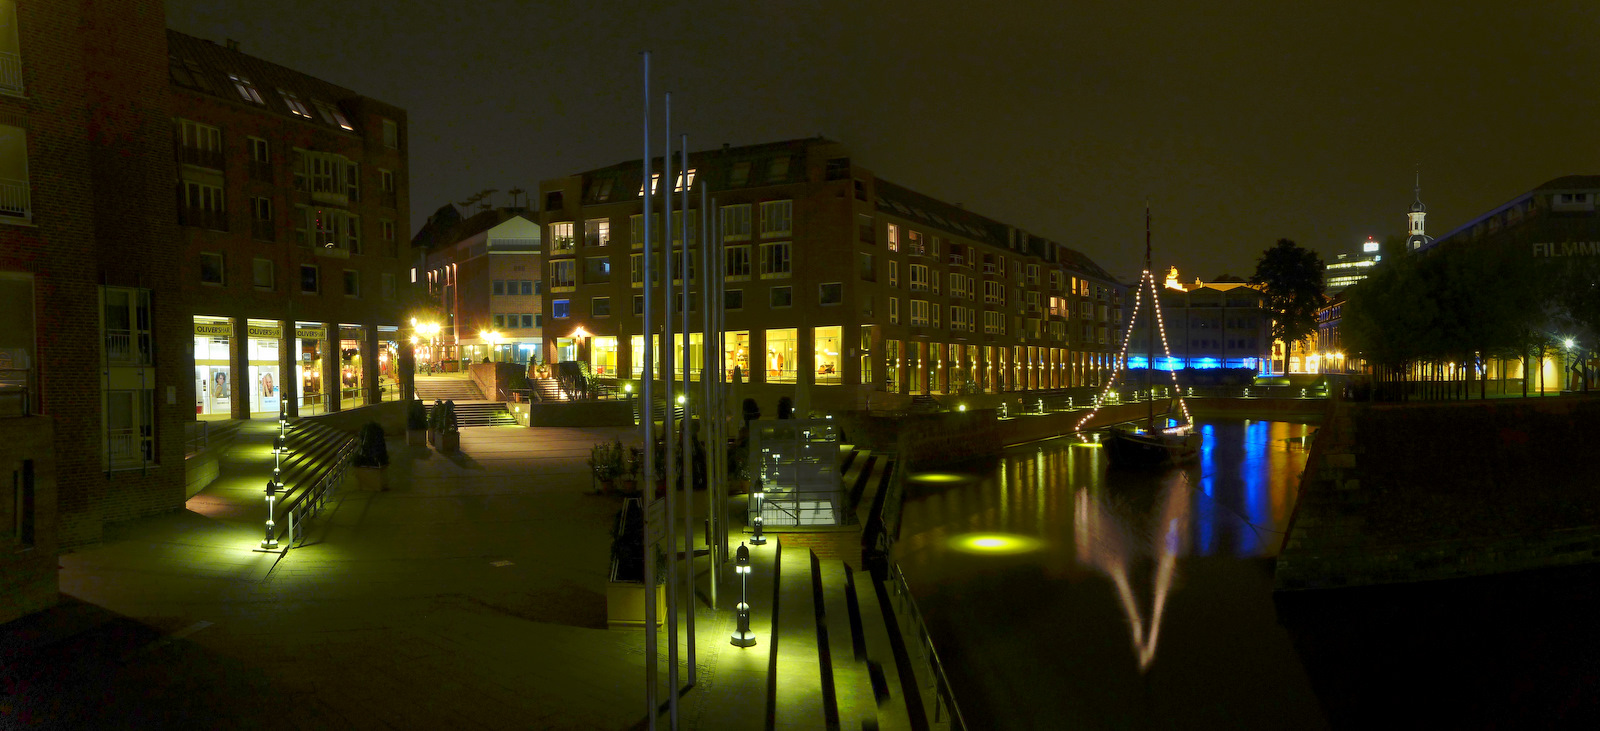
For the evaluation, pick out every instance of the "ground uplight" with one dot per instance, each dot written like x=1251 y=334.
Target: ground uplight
x=995 y=543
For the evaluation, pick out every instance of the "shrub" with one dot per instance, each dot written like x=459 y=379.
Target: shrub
x=416 y=415
x=371 y=448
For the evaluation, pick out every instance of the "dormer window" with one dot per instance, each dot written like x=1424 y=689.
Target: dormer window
x=332 y=115
x=246 y=89
x=295 y=105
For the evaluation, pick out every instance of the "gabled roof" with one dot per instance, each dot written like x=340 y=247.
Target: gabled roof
x=446 y=227
x=203 y=66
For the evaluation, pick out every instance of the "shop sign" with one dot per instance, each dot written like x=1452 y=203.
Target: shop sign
x=352 y=333
x=263 y=331
x=1566 y=248
x=213 y=329
x=311 y=333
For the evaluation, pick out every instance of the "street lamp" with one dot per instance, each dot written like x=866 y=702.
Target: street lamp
x=742 y=636
x=493 y=339
x=755 y=521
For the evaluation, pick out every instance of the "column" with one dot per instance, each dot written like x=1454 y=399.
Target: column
x=369 y=364
x=288 y=368
x=239 y=368
x=332 y=375
x=408 y=368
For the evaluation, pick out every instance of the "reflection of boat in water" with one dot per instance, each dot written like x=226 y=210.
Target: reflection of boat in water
x=1134 y=446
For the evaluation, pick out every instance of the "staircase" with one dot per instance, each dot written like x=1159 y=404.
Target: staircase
x=837 y=664
x=479 y=413
x=447 y=388
x=544 y=389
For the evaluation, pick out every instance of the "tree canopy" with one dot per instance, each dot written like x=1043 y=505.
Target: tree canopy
x=1291 y=275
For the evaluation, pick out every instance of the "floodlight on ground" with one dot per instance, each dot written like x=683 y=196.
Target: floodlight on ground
x=742 y=636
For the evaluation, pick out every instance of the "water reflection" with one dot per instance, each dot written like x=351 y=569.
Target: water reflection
x=1170 y=554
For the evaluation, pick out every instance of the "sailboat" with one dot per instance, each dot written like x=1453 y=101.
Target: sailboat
x=1152 y=444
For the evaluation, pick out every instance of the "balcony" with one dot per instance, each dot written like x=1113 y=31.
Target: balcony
x=203 y=218
x=198 y=157
x=958 y=260
x=14 y=200
x=10 y=73
x=989 y=268
x=126 y=347
x=263 y=230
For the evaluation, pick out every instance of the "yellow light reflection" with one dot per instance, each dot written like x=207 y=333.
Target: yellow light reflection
x=1002 y=544
x=938 y=477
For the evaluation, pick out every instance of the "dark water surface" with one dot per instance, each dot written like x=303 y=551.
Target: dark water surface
x=1048 y=579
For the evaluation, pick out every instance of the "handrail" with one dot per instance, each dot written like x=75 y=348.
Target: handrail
x=944 y=698
x=310 y=500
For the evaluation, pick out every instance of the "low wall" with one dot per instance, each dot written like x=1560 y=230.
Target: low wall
x=579 y=413
x=842 y=542
x=1295 y=409
x=951 y=437
x=494 y=379
x=28 y=580
x=391 y=415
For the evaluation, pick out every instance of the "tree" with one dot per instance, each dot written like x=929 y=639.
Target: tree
x=1292 y=278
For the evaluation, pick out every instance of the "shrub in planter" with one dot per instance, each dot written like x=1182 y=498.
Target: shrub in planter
x=371 y=457
x=416 y=423
x=446 y=431
x=607 y=461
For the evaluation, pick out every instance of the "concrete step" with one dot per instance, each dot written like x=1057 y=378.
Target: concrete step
x=795 y=687
x=882 y=669
x=846 y=650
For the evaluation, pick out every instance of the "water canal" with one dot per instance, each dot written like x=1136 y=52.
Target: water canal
x=1061 y=593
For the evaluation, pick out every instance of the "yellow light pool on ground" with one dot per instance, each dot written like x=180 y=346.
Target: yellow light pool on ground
x=939 y=477
x=995 y=543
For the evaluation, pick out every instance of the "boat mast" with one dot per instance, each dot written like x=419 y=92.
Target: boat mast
x=1150 y=329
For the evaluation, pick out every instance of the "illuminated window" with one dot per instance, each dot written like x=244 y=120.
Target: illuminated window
x=246 y=89
x=332 y=115
x=564 y=275
x=894 y=237
x=825 y=351
x=597 y=232
x=295 y=105
x=561 y=238
x=783 y=358
x=561 y=309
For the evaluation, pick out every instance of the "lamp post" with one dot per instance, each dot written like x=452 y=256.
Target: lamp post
x=742 y=636
x=759 y=497
x=493 y=339
x=1568 y=343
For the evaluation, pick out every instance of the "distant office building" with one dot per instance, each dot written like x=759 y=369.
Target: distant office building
x=484 y=273
x=857 y=291
x=1347 y=269
x=1208 y=325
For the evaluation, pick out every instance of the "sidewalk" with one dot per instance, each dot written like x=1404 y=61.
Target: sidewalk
x=470 y=595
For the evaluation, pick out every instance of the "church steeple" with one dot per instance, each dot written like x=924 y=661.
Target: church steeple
x=1416 y=236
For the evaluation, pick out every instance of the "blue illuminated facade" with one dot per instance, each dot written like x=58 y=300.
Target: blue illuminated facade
x=1208 y=325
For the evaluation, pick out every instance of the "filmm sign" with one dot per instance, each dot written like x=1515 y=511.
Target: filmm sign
x=1566 y=248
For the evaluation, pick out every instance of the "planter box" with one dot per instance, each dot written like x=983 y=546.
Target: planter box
x=372 y=479
x=447 y=442
x=417 y=437
x=625 y=604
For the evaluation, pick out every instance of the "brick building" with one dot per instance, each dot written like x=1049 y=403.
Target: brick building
x=133 y=233
x=865 y=290
x=483 y=276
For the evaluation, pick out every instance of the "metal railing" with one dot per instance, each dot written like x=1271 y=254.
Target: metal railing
x=196 y=437
x=14 y=199
x=909 y=621
x=302 y=504
x=11 y=72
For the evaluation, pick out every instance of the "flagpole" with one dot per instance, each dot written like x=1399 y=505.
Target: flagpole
x=667 y=363
x=650 y=655
x=687 y=433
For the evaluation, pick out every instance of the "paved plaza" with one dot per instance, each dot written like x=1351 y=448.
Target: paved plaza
x=471 y=594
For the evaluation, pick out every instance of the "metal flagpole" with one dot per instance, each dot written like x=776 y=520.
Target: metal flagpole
x=722 y=391
x=650 y=659
x=671 y=466
x=714 y=450
x=687 y=434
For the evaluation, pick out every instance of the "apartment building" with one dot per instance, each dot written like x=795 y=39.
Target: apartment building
x=483 y=276
x=292 y=205
x=853 y=290
x=168 y=252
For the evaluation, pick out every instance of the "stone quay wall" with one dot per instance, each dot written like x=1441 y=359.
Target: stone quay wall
x=1421 y=492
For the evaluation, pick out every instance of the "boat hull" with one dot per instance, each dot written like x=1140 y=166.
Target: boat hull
x=1130 y=449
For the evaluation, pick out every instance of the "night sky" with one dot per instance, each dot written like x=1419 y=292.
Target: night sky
x=1241 y=122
